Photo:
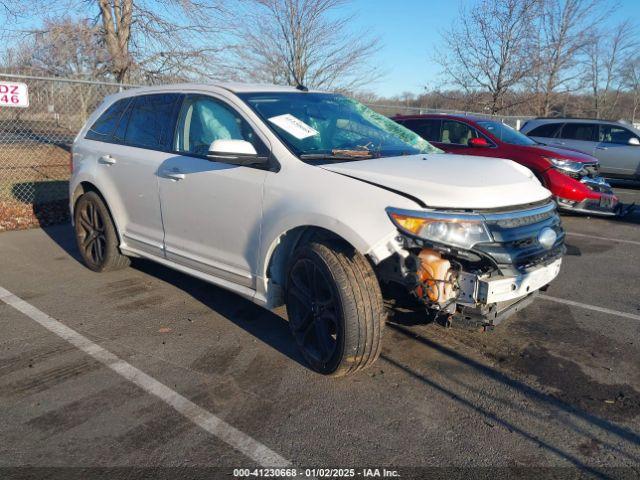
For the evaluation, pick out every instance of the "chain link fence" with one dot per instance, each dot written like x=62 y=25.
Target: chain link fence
x=35 y=144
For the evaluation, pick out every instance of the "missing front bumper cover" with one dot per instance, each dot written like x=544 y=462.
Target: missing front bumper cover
x=492 y=315
x=488 y=290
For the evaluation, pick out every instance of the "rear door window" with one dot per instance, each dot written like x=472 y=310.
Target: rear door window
x=615 y=134
x=457 y=133
x=103 y=128
x=151 y=121
x=580 y=131
x=429 y=129
x=549 y=130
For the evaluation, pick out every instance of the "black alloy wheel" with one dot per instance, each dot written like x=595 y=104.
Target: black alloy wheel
x=314 y=312
x=91 y=233
x=96 y=234
x=335 y=308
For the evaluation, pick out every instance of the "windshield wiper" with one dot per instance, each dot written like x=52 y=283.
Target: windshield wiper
x=333 y=156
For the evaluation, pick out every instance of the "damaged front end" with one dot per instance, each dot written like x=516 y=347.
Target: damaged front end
x=476 y=267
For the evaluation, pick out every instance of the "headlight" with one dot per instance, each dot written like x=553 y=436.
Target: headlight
x=463 y=230
x=566 y=165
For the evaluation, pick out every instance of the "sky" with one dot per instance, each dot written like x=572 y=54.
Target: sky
x=410 y=29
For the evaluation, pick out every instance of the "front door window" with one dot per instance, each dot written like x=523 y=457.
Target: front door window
x=203 y=120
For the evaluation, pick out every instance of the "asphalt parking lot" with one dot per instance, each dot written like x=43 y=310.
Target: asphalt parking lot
x=157 y=369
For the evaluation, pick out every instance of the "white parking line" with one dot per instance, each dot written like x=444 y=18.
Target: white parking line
x=201 y=417
x=609 y=239
x=591 y=307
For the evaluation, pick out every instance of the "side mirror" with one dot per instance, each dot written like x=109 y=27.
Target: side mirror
x=237 y=152
x=231 y=148
x=478 y=142
x=634 y=141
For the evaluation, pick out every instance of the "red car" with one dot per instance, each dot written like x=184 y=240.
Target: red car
x=571 y=176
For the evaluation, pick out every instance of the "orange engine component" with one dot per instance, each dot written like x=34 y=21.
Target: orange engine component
x=435 y=275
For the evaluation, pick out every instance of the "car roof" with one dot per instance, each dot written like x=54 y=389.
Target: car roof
x=235 y=87
x=542 y=121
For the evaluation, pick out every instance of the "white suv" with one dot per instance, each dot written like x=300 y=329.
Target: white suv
x=312 y=200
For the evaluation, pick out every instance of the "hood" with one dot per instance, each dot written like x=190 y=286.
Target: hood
x=443 y=180
x=563 y=153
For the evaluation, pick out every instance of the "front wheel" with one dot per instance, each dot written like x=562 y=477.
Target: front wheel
x=96 y=235
x=334 y=307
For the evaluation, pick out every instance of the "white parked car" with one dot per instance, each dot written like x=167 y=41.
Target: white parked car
x=309 y=199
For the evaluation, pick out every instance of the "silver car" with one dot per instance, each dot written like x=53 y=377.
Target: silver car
x=273 y=193
x=616 y=145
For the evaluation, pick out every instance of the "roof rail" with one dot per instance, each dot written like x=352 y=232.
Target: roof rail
x=577 y=118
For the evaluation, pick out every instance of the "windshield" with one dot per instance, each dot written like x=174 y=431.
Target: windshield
x=321 y=126
x=506 y=133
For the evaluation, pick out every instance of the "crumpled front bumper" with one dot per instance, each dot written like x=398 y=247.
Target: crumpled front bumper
x=485 y=290
x=487 y=301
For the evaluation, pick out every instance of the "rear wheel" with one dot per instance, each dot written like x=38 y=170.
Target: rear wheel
x=96 y=235
x=335 y=308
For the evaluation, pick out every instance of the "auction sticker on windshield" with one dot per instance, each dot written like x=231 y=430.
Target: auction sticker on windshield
x=293 y=126
x=14 y=94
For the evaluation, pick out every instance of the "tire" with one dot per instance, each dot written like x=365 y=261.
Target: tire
x=96 y=235
x=335 y=308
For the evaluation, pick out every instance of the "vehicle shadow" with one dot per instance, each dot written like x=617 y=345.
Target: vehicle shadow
x=41 y=191
x=496 y=418
x=37 y=202
x=619 y=183
x=63 y=235
x=628 y=192
x=570 y=414
x=263 y=324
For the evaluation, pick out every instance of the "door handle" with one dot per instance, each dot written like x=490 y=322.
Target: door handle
x=174 y=175
x=107 y=160
x=602 y=148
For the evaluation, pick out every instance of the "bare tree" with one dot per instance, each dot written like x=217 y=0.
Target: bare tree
x=304 y=42
x=605 y=57
x=631 y=78
x=70 y=49
x=488 y=48
x=564 y=29
x=117 y=17
x=66 y=48
x=145 y=40
x=149 y=40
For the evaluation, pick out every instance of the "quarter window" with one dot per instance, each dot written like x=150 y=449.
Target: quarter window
x=103 y=128
x=457 y=133
x=613 y=134
x=580 y=131
x=427 y=129
x=203 y=120
x=151 y=121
